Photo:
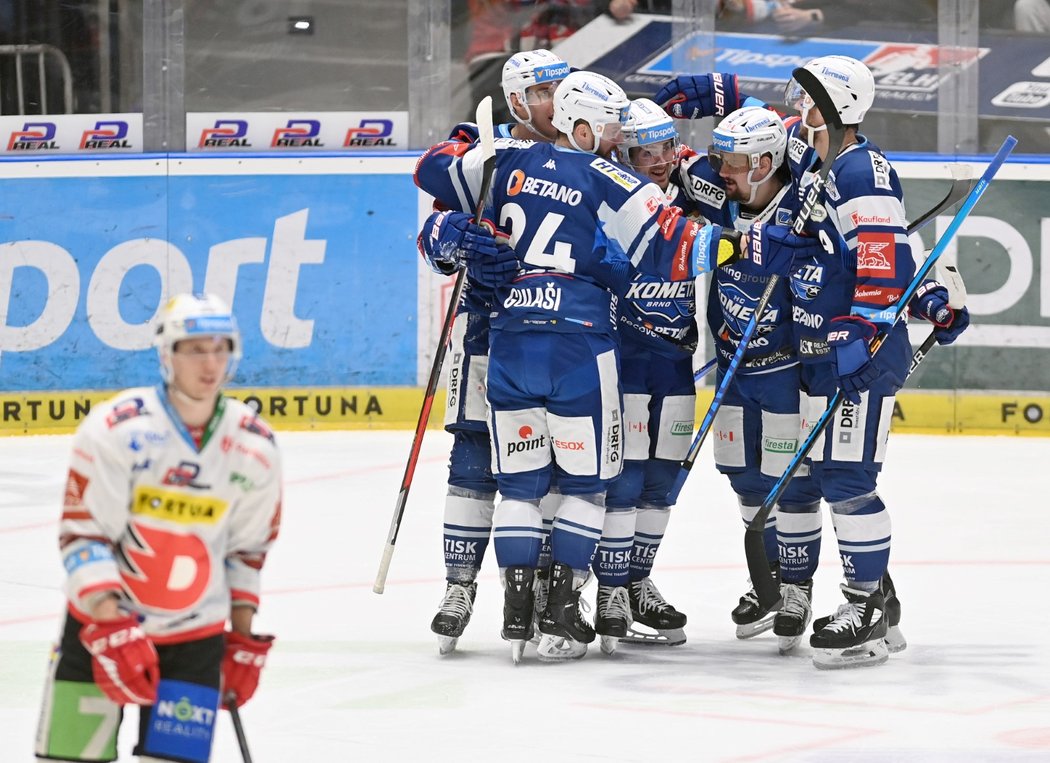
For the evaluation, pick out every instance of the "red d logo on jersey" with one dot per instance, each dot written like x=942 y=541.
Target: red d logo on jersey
x=515 y=183
x=168 y=571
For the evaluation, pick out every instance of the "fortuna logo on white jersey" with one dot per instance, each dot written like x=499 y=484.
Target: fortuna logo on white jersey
x=545 y=297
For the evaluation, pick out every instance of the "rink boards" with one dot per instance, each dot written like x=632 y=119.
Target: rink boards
x=340 y=317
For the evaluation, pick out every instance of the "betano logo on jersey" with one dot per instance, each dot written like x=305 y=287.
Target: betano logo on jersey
x=177 y=507
x=298 y=133
x=106 y=135
x=227 y=133
x=370 y=132
x=519 y=182
x=34 y=136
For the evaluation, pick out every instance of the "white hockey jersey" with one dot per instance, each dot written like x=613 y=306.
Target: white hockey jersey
x=181 y=531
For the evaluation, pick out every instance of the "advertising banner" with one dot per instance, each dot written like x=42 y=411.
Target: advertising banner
x=40 y=135
x=284 y=131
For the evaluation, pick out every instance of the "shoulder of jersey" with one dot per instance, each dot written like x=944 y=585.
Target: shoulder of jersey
x=246 y=419
x=127 y=405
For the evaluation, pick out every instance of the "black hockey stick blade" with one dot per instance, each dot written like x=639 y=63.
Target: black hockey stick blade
x=483 y=115
x=960 y=188
x=238 y=729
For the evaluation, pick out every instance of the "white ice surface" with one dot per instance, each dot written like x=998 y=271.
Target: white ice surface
x=357 y=677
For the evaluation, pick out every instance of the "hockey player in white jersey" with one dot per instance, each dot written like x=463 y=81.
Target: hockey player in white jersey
x=173 y=499
x=583 y=226
x=449 y=240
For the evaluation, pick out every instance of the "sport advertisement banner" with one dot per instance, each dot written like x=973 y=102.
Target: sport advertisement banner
x=316 y=255
x=41 y=135
x=286 y=131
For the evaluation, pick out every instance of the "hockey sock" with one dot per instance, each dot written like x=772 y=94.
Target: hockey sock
x=548 y=508
x=468 y=524
x=769 y=534
x=862 y=525
x=798 y=535
x=648 y=534
x=517 y=532
x=612 y=562
x=576 y=530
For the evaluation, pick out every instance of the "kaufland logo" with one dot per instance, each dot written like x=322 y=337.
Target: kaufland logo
x=551 y=72
x=226 y=133
x=34 y=136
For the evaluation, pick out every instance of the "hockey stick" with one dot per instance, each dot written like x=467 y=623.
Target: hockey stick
x=704 y=370
x=836 y=137
x=754 y=548
x=238 y=728
x=483 y=115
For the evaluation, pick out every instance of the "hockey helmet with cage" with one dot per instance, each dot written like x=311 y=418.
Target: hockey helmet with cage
x=188 y=316
x=743 y=138
x=594 y=99
x=848 y=82
x=648 y=126
x=528 y=68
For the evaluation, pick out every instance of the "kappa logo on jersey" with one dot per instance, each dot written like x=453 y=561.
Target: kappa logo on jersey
x=297 y=134
x=184 y=475
x=519 y=182
x=227 y=133
x=165 y=570
x=875 y=255
x=106 y=135
x=621 y=177
x=526 y=443
x=707 y=191
x=880 y=169
x=370 y=132
x=34 y=136
x=550 y=165
x=126 y=410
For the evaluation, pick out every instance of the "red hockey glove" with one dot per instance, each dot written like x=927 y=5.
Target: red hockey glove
x=123 y=660
x=241 y=665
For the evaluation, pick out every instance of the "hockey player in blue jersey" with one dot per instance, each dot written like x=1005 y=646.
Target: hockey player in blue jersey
x=657 y=338
x=449 y=241
x=584 y=227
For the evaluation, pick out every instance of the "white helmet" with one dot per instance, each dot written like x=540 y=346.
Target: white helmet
x=849 y=83
x=594 y=99
x=528 y=68
x=646 y=124
x=186 y=316
x=751 y=131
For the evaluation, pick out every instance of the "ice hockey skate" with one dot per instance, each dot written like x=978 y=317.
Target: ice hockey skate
x=453 y=614
x=855 y=636
x=565 y=633
x=517 y=609
x=612 y=617
x=540 y=588
x=752 y=618
x=895 y=640
x=789 y=624
x=662 y=624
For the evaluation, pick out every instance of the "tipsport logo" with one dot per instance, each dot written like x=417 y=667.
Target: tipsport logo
x=370 y=132
x=298 y=133
x=106 y=135
x=34 y=136
x=227 y=133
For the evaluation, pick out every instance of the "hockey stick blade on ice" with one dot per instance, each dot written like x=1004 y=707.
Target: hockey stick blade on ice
x=836 y=137
x=754 y=548
x=483 y=115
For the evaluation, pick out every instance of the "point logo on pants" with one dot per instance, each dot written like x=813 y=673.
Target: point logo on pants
x=526 y=442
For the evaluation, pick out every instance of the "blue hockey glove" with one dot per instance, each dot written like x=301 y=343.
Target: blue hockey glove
x=449 y=240
x=775 y=249
x=931 y=303
x=695 y=97
x=849 y=338
x=495 y=267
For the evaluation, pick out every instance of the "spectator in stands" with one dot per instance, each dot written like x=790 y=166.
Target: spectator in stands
x=1032 y=16
x=621 y=10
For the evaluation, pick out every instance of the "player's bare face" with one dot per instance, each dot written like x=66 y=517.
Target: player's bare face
x=655 y=161
x=733 y=169
x=199 y=366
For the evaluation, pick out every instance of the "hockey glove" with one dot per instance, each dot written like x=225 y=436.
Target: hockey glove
x=242 y=663
x=931 y=303
x=713 y=246
x=124 y=661
x=775 y=249
x=449 y=240
x=496 y=267
x=706 y=95
x=850 y=339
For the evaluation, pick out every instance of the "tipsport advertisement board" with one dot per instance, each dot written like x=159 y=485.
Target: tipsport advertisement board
x=316 y=255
